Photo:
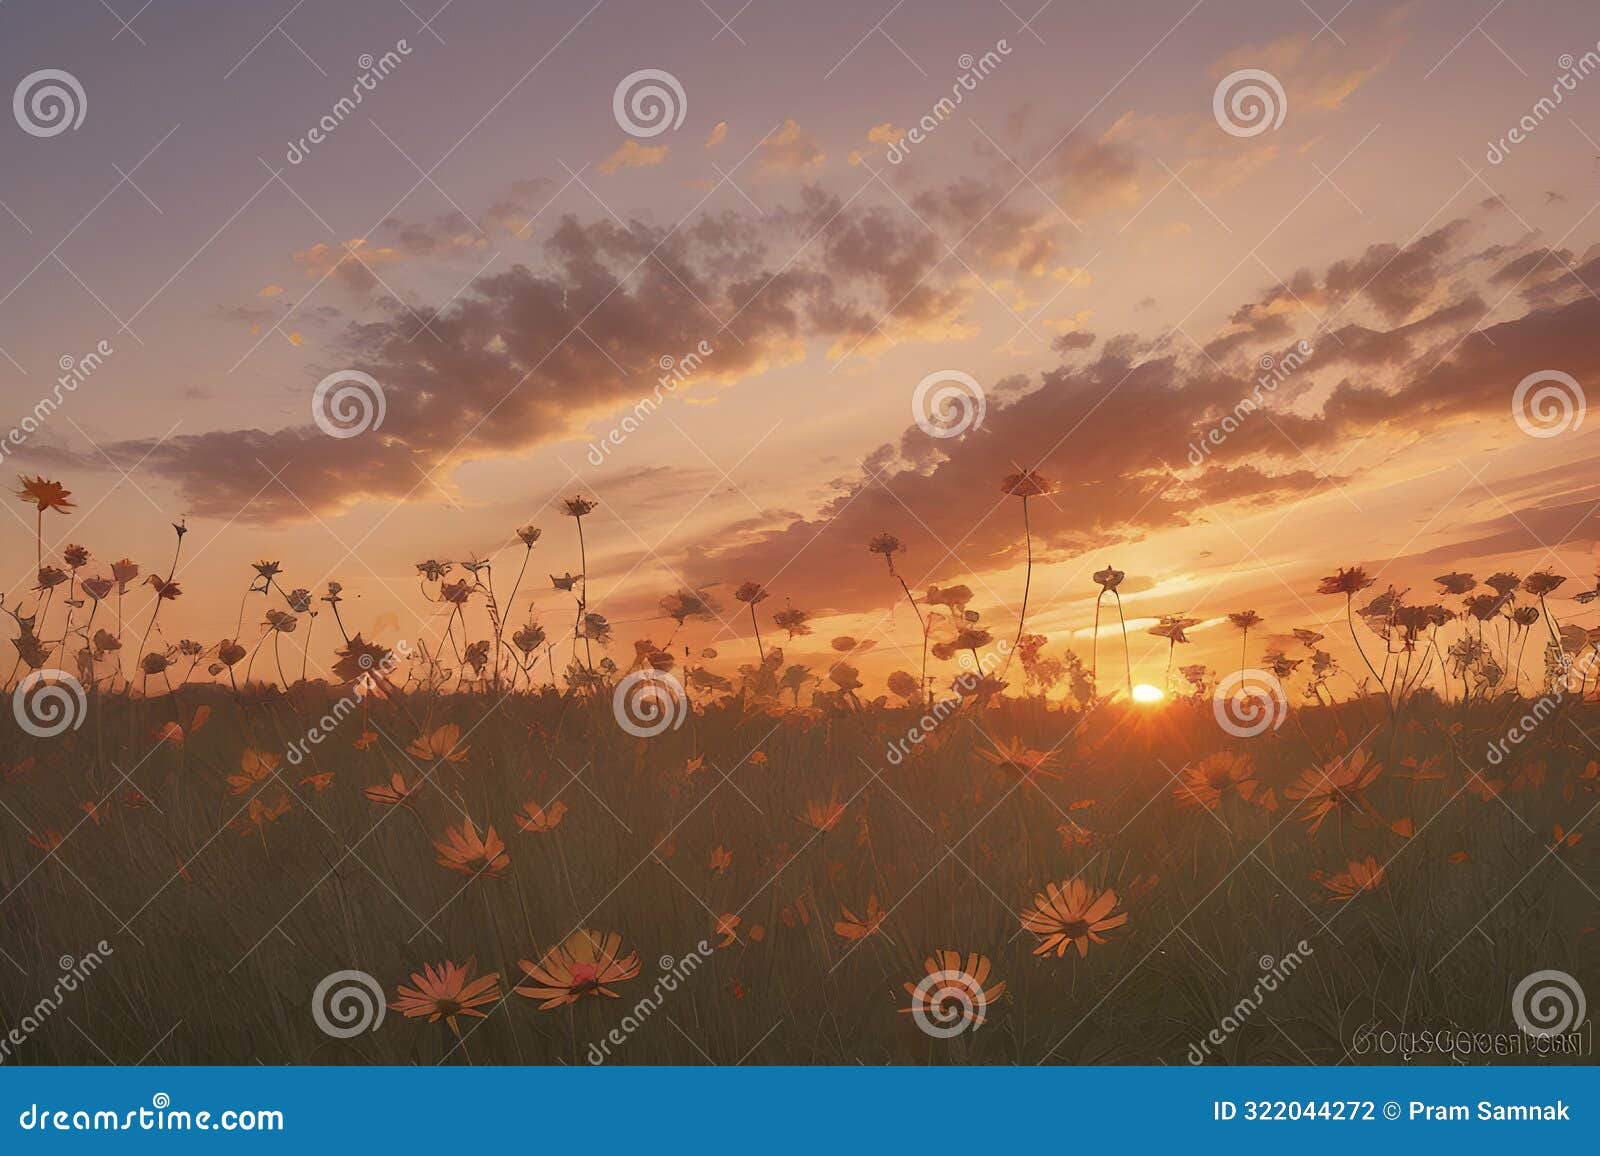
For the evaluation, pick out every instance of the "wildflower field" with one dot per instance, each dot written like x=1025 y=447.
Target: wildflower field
x=529 y=841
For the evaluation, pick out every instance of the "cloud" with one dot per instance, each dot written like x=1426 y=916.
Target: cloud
x=790 y=150
x=633 y=155
x=718 y=134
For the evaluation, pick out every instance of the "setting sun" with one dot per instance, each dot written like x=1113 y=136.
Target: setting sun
x=1146 y=693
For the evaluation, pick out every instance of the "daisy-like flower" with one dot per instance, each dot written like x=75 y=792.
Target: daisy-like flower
x=585 y=965
x=1347 y=582
x=75 y=556
x=1542 y=582
x=529 y=535
x=1208 y=781
x=395 y=793
x=433 y=571
x=887 y=545
x=1071 y=914
x=567 y=581
x=1027 y=484
x=1363 y=876
x=45 y=495
x=254 y=766
x=445 y=992
x=1017 y=758
x=535 y=818
x=962 y=993
x=360 y=657
x=124 y=571
x=440 y=743
x=853 y=927
x=464 y=850
x=1339 y=788
x=823 y=816
x=577 y=506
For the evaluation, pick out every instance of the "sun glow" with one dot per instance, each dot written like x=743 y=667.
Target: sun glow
x=1146 y=693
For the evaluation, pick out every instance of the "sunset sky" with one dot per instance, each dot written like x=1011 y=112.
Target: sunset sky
x=1081 y=236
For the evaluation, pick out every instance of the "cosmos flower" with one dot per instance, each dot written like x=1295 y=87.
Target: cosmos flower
x=1363 y=876
x=1207 y=782
x=1027 y=484
x=577 y=506
x=585 y=965
x=45 y=495
x=464 y=850
x=1071 y=914
x=445 y=992
x=535 y=818
x=1347 y=582
x=395 y=793
x=961 y=995
x=1339 y=788
x=440 y=743
x=852 y=927
x=529 y=535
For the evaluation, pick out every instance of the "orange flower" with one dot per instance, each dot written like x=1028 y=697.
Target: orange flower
x=254 y=766
x=853 y=928
x=1363 y=876
x=47 y=841
x=721 y=859
x=392 y=793
x=584 y=965
x=1071 y=914
x=318 y=782
x=1205 y=783
x=465 y=851
x=823 y=816
x=45 y=495
x=445 y=992
x=540 y=819
x=957 y=992
x=727 y=927
x=1018 y=759
x=1339 y=788
x=439 y=744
